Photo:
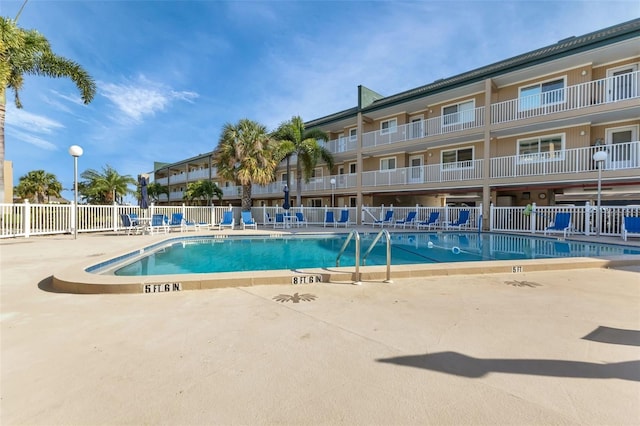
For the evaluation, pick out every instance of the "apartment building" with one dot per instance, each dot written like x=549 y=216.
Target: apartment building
x=518 y=131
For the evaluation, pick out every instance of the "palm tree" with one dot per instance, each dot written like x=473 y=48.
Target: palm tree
x=105 y=187
x=245 y=155
x=154 y=190
x=29 y=52
x=294 y=139
x=203 y=190
x=38 y=185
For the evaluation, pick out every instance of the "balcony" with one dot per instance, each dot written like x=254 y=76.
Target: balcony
x=599 y=92
x=450 y=123
x=434 y=173
x=621 y=156
x=341 y=145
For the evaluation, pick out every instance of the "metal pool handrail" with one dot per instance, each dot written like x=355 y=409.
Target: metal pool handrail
x=344 y=247
x=375 y=240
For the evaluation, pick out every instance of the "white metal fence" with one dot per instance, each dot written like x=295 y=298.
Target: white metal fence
x=24 y=220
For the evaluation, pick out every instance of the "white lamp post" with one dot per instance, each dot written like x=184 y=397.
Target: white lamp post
x=333 y=187
x=75 y=151
x=599 y=157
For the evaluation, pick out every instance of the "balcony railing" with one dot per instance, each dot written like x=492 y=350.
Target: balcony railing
x=340 y=145
x=458 y=171
x=607 y=90
x=449 y=123
x=620 y=156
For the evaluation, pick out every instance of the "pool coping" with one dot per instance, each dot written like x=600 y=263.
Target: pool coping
x=76 y=279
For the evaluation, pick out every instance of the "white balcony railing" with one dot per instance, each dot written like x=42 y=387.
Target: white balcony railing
x=449 y=123
x=459 y=171
x=598 y=92
x=620 y=156
x=340 y=145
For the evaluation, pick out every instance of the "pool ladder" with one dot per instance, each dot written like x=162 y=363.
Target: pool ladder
x=355 y=234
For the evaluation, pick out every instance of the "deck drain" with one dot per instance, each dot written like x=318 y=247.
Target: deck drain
x=295 y=298
x=517 y=283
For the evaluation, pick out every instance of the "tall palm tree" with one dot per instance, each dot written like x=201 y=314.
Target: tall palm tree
x=245 y=155
x=203 y=190
x=105 y=187
x=29 y=52
x=294 y=139
x=38 y=185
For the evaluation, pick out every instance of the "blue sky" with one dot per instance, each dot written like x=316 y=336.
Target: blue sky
x=170 y=74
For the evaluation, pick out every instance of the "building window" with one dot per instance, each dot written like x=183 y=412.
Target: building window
x=315 y=202
x=353 y=202
x=462 y=112
x=389 y=126
x=388 y=163
x=457 y=158
x=542 y=94
x=353 y=168
x=545 y=148
x=353 y=135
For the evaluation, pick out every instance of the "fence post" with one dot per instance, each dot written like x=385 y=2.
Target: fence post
x=532 y=218
x=184 y=211
x=114 y=217
x=26 y=217
x=587 y=218
x=491 y=216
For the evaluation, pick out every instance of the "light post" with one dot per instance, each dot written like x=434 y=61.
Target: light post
x=333 y=188
x=599 y=157
x=75 y=151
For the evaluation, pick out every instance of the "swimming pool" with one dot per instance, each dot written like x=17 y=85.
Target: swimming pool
x=200 y=255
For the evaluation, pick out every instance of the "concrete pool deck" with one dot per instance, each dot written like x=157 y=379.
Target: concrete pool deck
x=546 y=347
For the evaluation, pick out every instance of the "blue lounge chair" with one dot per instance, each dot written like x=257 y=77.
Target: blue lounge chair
x=329 y=219
x=134 y=219
x=462 y=222
x=630 y=227
x=301 y=220
x=247 y=220
x=196 y=226
x=227 y=220
x=387 y=219
x=434 y=220
x=128 y=225
x=159 y=223
x=409 y=220
x=561 y=223
x=177 y=222
x=344 y=218
x=279 y=222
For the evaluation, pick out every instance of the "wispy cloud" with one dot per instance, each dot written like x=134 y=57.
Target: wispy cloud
x=142 y=97
x=25 y=120
x=32 y=140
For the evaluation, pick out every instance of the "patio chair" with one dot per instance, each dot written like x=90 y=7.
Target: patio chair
x=462 y=222
x=409 y=220
x=177 y=222
x=329 y=219
x=561 y=223
x=192 y=224
x=227 y=221
x=128 y=225
x=134 y=219
x=279 y=222
x=159 y=223
x=344 y=218
x=434 y=220
x=387 y=219
x=630 y=227
x=302 y=220
x=247 y=220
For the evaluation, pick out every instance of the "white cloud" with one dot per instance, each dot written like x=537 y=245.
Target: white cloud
x=143 y=97
x=33 y=140
x=31 y=122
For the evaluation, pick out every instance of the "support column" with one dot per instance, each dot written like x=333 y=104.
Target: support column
x=486 y=155
x=359 y=171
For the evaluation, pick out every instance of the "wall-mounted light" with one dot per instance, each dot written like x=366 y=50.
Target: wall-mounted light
x=583 y=73
x=582 y=133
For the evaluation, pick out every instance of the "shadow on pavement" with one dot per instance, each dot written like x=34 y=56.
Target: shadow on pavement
x=462 y=365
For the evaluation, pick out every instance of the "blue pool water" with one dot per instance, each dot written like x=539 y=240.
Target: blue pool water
x=192 y=255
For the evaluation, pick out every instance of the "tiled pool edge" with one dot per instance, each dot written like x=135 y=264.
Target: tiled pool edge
x=76 y=280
